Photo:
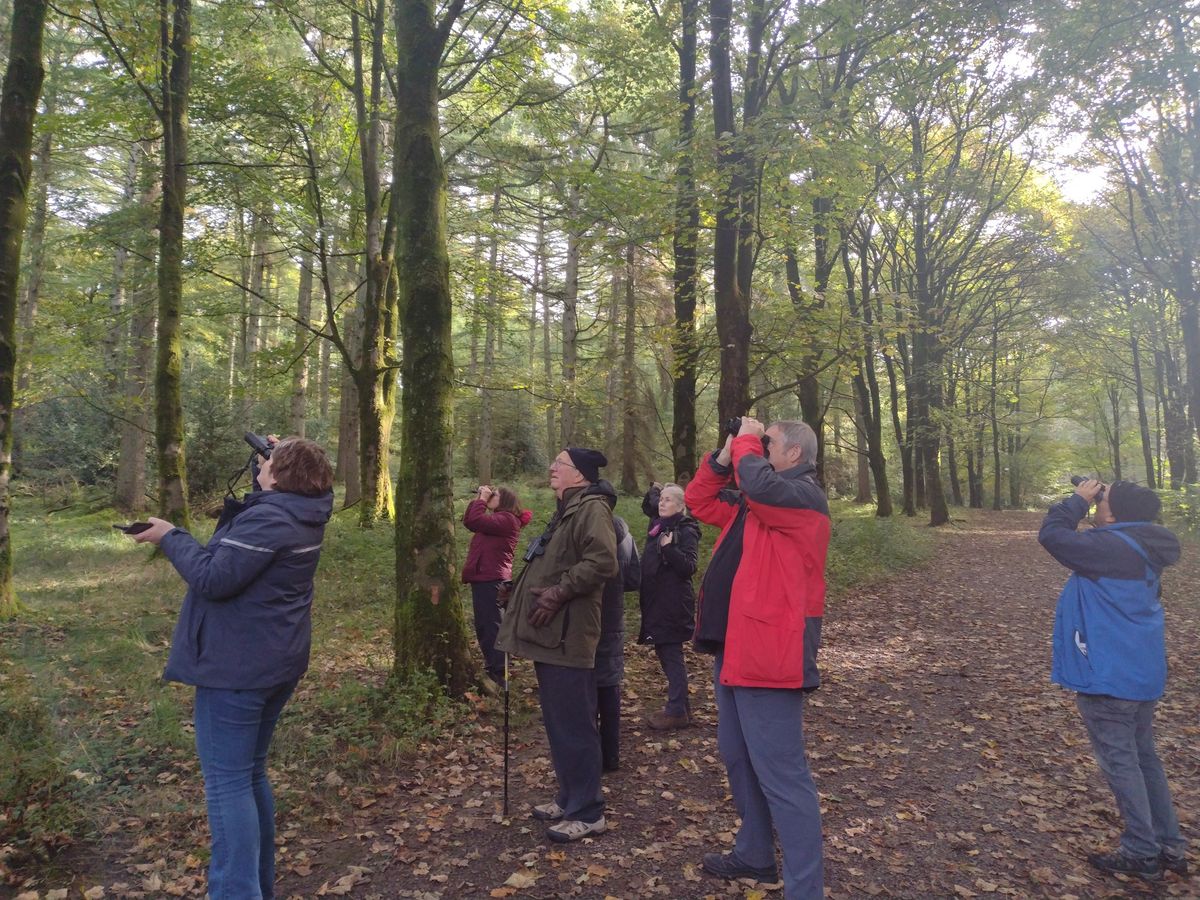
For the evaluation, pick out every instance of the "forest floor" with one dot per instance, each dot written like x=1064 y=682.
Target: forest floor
x=948 y=766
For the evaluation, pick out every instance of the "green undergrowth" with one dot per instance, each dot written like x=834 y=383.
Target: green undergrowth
x=90 y=734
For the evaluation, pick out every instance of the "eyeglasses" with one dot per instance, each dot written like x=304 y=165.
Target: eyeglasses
x=559 y=464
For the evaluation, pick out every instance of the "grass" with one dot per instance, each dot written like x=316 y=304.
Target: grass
x=91 y=736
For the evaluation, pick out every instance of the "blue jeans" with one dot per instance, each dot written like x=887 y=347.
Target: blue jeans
x=760 y=733
x=233 y=734
x=1122 y=733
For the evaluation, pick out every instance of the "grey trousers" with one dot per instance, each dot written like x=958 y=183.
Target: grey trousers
x=670 y=657
x=760 y=733
x=1122 y=733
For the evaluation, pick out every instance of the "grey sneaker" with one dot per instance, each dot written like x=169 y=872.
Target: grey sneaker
x=1149 y=868
x=572 y=830
x=1176 y=864
x=547 y=812
x=730 y=867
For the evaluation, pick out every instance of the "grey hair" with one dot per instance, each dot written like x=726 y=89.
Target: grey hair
x=673 y=487
x=799 y=434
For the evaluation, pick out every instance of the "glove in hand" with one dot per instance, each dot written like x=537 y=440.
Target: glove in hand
x=547 y=602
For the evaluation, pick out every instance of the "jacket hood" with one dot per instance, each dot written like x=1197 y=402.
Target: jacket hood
x=605 y=490
x=313 y=511
x=1160 y=544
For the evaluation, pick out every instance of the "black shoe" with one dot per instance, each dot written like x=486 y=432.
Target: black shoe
x=1176 y=864
x=1147 y=868
x=729 y=867
x=611 y=765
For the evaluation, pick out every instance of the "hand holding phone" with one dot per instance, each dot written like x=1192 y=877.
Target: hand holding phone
x=133 y=527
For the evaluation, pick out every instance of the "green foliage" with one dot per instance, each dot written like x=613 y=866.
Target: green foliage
x=36 y=792
x=1181 y=509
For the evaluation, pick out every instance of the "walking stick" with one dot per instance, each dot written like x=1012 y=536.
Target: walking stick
x=506 y=735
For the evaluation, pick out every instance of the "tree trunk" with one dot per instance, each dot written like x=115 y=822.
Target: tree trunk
x=301 y=344
x=492 y=315
x=684 y=349
x=547 y=357
x=994 y=415
x=129 y=491
x=570 y=325
x=612 y=368
x=175 y=47
x=1114 y=400
x=956 y=493
x=348 y=462
x=42 y=172
x=629 y=480
x=18 y=106
x=1139 y=392
x=732 y=306
x=430 y=631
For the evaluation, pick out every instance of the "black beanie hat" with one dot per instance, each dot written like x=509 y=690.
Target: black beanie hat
x=1131 y=502
x=587 y=461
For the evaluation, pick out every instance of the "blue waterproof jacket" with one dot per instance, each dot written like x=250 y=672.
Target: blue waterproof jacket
x=246 y=619
x=1108 y=626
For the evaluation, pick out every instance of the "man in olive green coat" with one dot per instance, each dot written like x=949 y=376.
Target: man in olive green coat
x=553 y=618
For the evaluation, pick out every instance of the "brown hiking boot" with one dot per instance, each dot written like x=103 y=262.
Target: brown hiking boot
x=660 y=721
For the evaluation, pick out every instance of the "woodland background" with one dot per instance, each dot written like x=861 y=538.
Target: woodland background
x=958 y=237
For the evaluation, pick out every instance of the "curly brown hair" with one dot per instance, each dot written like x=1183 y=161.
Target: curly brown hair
x=300 y=466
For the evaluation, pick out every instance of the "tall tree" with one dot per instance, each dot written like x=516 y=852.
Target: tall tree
x=18 y=106
x=430 y=631
x=175 y=72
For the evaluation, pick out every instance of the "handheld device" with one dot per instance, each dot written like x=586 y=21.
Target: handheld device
x=134 y=527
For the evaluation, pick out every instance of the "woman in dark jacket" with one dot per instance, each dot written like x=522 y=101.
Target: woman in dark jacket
x=496 y=517
x=243 y=639
x=667 y=599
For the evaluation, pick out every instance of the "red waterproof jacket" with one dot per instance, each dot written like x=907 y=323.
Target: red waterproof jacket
x=490 y=556
x=769 y=586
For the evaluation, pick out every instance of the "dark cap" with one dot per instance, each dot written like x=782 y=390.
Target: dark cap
x=587 y=461
x=1131 y=502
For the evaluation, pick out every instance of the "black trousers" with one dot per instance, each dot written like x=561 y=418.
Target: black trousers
x=568 y=698
x=487 y=626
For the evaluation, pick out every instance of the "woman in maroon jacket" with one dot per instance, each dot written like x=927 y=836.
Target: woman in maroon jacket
x=496 y=517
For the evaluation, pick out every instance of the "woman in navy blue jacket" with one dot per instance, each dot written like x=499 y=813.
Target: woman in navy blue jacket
x=243 y=640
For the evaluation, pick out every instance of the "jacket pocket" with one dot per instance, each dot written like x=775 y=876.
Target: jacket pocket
x=198 y=635
x=551 y=635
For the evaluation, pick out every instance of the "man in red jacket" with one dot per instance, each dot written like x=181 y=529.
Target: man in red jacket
x=761 y=604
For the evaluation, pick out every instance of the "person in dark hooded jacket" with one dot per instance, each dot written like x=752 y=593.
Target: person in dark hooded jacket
x=668 y=600
x=610 y=651
x=243 y=640
x=1109 y=647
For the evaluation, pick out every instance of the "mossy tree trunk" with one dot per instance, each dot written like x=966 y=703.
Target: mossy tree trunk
x=18 y=105
x=175 y=48
x=684 y=345
x=430 y=631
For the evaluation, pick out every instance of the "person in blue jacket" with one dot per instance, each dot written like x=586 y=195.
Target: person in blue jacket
x=1109 y=648
x=242 y=639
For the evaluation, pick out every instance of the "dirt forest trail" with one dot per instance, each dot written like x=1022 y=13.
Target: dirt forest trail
x=947 y=763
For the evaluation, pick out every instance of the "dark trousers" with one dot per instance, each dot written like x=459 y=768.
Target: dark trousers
x=568 y=698
x=670 y=657
x=608 y=708
x=487 y=626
